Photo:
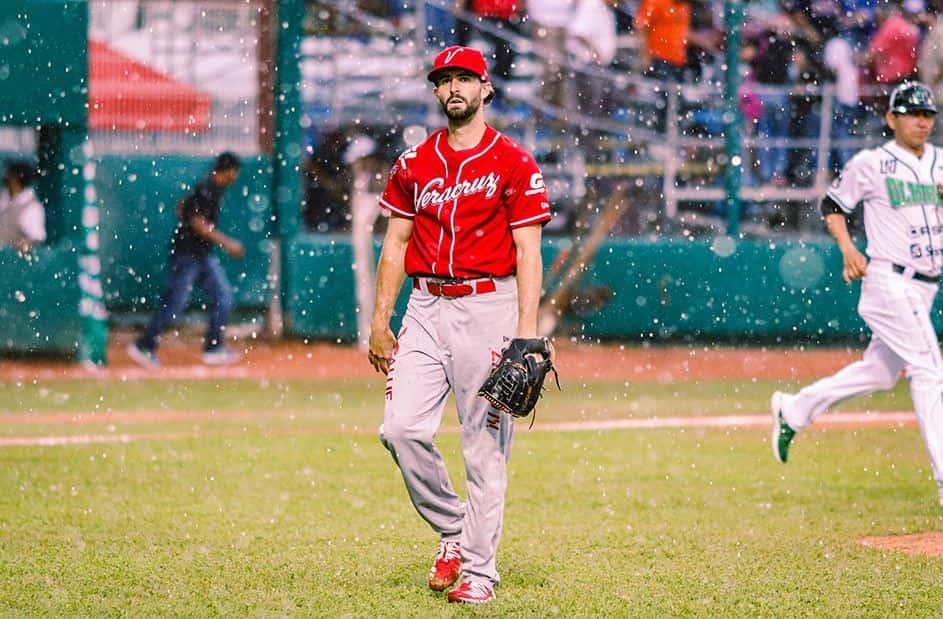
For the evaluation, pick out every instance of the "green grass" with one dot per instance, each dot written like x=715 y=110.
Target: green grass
x=304 y=513
x=578 y=398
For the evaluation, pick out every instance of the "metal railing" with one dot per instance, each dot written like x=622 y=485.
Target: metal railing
x=648 y=128
x=209 y=45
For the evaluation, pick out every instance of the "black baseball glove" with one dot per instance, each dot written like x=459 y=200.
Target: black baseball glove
x=516 y=382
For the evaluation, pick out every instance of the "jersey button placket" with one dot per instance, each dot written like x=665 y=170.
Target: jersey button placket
x=442 y=256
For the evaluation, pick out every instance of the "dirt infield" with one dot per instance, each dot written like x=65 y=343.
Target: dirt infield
x=180 y=358
x=929 y=544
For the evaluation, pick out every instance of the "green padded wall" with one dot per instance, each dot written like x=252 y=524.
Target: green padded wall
x=321 y=303
x=43 y=62
x=763 y=289
x=39 y=303
x=789 y=290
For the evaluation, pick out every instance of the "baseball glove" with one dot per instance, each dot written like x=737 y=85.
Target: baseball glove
x=516 y=382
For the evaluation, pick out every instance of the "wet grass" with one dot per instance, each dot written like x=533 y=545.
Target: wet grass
x=304 y=514
x=357 y=398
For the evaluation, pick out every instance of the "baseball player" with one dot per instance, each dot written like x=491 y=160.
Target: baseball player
x=467 y=207
x=898 y=185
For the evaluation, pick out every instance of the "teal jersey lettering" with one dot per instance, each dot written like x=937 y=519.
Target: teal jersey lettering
x=902 y=193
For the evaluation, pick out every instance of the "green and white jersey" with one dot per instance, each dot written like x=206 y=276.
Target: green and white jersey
x=901 y=204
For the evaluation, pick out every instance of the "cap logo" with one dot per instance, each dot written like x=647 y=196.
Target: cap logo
x=452 y=54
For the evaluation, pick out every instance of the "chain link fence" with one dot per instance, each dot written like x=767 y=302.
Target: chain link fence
x=181 y=77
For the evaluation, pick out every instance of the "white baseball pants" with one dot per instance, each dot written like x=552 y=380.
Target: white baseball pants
x=897 y=310
x=451 y=344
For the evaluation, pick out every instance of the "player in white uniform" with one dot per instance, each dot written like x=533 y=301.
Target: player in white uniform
x=898 y=184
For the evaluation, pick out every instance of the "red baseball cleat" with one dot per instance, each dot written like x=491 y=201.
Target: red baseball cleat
x=447 y=566
x=470 y=592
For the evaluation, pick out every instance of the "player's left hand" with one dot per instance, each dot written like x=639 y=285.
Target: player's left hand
x=516 y=383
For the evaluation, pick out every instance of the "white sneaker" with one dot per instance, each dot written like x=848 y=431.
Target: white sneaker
x=144 y=358
x=221 y=356
x=782 y=433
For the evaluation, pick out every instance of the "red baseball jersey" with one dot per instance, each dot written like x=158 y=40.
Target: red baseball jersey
x=465 y=203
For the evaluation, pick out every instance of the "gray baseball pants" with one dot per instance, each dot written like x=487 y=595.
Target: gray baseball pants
x=452 y=344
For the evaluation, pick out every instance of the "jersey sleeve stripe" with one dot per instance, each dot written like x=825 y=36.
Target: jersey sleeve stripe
x=534 y=219
x=400 y=212
x=839 y=202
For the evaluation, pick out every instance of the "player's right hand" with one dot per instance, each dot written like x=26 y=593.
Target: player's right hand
x=382 y=344
x=235 y=249
x=855 y=265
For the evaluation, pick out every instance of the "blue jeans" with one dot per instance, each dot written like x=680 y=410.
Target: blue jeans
x=773 y=123
x=185 y=271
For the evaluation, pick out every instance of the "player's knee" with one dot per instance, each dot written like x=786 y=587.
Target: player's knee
x=225 y=300
x=882 y=378
x=381 y=433
x=394 y=432
x=886 y=381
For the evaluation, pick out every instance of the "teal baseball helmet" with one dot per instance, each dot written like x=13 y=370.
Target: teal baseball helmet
x=910 y=97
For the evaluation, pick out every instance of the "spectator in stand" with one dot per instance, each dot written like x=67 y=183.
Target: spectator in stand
x=550 y=19
x=805 y=111
x=917 y=11
x=22 y=218
x=440 y=24
x=703 y=40
x=592 y=45
x=325 y=187
x=663 y=27
x=814 y=19
x=892 y=54
x=857 y=22
x=772 y=55
x=503 y=16
x=930 y=62
x=839 y=59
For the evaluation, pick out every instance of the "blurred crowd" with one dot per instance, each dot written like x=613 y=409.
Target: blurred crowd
x=856 y=50
x=862 y=47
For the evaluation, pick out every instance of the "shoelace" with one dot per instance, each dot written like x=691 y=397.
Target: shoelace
x=449 y=551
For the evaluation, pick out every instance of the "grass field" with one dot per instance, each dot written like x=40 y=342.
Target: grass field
x=274 y=498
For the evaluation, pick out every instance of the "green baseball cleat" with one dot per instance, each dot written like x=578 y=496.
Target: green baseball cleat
x=782 y=434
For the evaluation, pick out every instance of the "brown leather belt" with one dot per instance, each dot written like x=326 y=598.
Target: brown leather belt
x=453 y=289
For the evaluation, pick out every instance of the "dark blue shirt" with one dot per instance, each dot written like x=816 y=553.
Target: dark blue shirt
x=204 y=201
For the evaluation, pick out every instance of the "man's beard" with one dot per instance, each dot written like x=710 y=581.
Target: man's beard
x=461 y=116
